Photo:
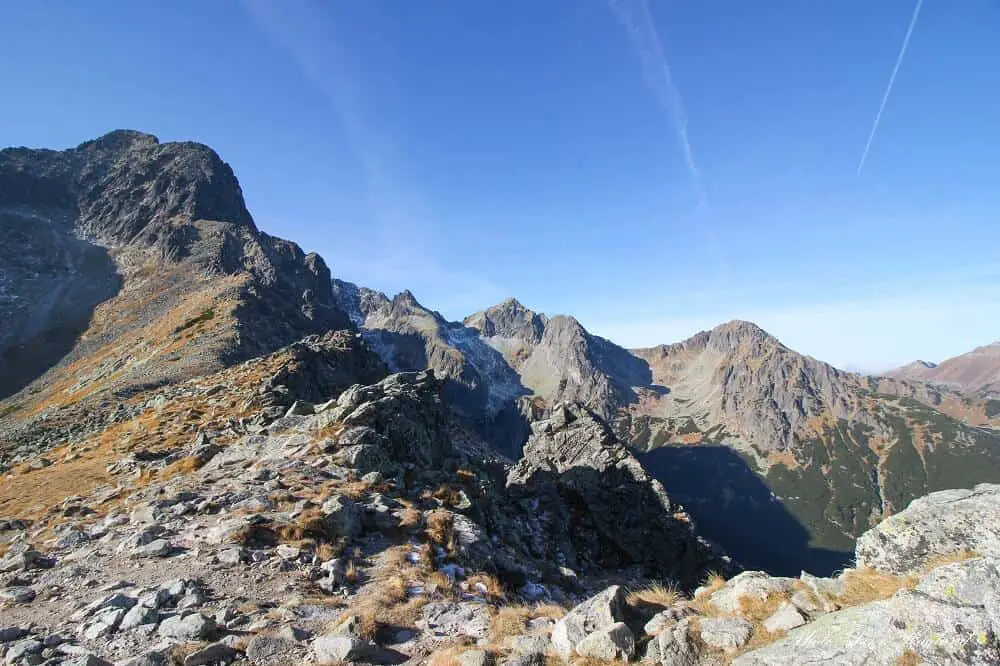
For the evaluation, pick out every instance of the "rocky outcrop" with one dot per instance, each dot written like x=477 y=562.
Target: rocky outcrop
x=946 y=609
x=940 y=525
x=320 y=366
x=579 y=455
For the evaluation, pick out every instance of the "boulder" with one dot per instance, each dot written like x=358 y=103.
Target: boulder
x=264 y=649
x=105 y=622
x=187 y=626
x=474 y=658
x=342 y=516
x=469 y=618
x=406 y=409
x=610 y=643
x=17 y=594
x=748 y=585
x=601 y=611
x=786 y=617
x=139 y=615
x=21 y=556
x=673 y=647
x=23 y=649
x=155 y=548
x=933 y=526
x=528 y=644
x=212 y=654
x=8 y=634
x=949 y=618
x=339 y=649
x=726 y=633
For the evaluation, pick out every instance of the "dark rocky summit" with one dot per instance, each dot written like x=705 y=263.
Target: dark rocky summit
x=128 y=263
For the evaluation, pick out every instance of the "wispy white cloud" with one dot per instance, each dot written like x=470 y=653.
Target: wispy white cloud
x=645 y=41
x=888 y=88
x=401 y=250
x=635 y=18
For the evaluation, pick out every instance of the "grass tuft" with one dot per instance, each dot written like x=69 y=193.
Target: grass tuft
x=865 y=585
x=657 y=594
x=440 y=529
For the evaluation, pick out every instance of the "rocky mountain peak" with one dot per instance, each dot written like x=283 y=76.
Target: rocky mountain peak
x=119 y=140
x=407 y=299
x=509 y=319
x=142 y=249
x=736 y=333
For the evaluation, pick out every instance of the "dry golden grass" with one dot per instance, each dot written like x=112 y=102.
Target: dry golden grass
x=494 y=588
x=509 y=621
x=715 y=581
x=411 y=518
x=352 y=574
x=179 y=653
x=329 y=431
x=327 y=551
x=440 y=529
x=447 y=494
x=242 y=642
x=31 y=495
x=354 y=490
x=657 y=594
x=513 y=619
x=385 y=603
x=909 y=658
x=185 y=465
x=445 y=657
x=757 y=610
x=577 y=660
x=949 y=558
x=865 y=585
x=702 y=603
x=440 y=585
x=449 y=656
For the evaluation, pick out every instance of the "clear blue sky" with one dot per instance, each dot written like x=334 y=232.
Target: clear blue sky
x=475 y=150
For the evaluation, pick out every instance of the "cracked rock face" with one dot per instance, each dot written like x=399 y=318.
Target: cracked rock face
x=938 y=525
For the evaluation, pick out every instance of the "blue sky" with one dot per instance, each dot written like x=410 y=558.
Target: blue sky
x=470 y=151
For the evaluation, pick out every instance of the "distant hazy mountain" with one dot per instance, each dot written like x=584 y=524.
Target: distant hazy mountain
x=977 y=370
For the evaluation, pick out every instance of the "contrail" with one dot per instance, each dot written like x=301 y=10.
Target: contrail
x=888 y=88
x=638 y=23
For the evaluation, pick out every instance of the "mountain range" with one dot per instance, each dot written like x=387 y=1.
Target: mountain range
x=130 y=265
x=977 y=371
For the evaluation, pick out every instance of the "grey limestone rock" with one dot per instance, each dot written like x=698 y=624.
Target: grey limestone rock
x=601 y=611
x=727 y=633
x=939 y=524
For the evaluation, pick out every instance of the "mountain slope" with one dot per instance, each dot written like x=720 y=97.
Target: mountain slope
x=128 y=264
x=977 y=370
x=838 y=449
